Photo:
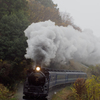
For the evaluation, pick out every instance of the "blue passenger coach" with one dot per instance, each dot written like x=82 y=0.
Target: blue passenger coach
x=63 y=77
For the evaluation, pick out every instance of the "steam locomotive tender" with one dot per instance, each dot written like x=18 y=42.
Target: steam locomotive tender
x=40 y=80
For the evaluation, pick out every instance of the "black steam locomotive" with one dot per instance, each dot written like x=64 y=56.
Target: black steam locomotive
x=40 y=80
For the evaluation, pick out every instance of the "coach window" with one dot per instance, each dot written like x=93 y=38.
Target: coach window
x=61 y=76
x=52 y=77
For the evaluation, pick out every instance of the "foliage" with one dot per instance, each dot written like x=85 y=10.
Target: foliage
x=93 y=88
x=5 y=69
x=5 y=94
x=11 y=73
x=79 y=91
x=39 y=12
x=7 y=7
x=66 y=18
x=42 y=10
x=94 y=70
x=12 y=39
x=79 y=87
x=86 y=90
x=13 y=22
x=46 y=3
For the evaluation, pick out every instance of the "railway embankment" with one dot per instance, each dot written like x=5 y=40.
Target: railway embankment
x=62 y=94
x=81 y=90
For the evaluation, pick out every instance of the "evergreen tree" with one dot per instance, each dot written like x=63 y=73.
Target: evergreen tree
x=13 y=22
x=8 y=7
x=12 y=39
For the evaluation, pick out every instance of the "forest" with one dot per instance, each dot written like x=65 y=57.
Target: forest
x=15 y=17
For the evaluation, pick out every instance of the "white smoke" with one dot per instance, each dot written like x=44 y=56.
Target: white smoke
x=48 y=42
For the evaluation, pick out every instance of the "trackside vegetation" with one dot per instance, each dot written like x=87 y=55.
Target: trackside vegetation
x=85 y=90
x=5 y=94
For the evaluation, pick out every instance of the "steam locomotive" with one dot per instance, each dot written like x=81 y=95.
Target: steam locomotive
x=40 y=80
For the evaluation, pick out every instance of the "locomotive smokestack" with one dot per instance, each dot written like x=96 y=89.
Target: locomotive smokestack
x=48 y=42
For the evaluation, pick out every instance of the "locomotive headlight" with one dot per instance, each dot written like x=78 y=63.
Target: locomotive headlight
x=37 y=68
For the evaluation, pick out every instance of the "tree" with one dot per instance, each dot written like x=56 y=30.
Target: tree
x=47 y=3
x=13 y=22
x=66 y=18
x=12 y=39
x=8 y=7
x=42 y=10
x=38 y=11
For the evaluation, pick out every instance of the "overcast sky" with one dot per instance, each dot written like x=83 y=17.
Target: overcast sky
x=85 y=13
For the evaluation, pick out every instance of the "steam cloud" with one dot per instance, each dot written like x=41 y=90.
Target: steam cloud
x=48 y=42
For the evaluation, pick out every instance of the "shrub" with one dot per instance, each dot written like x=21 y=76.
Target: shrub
x=4 y=93
x=79 y=91
x=93 y=88
x=86 y=90
x=80 y=88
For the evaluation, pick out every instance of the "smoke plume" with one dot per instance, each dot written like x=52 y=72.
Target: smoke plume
x=48 y=42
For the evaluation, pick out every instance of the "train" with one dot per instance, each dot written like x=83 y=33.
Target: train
x=39 y=80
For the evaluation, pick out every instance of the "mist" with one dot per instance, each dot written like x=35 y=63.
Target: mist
x=48 y=42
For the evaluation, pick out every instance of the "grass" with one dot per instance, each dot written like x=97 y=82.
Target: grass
x=62 y=94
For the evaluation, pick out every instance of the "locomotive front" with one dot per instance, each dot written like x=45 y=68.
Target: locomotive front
x=36 y=83
x=36 y=77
